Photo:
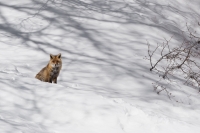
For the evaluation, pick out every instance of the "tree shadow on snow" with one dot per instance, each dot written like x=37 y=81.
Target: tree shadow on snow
x=102 y=42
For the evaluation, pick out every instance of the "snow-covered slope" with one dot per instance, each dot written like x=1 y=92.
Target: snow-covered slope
x=105 y=85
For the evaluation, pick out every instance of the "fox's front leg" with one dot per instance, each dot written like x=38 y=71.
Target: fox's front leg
x=50 y=80
x=55 y=80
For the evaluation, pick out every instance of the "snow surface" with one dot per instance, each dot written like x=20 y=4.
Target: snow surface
x=105 y=85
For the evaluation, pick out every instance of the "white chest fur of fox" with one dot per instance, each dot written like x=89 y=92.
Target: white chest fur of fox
x=52 y=70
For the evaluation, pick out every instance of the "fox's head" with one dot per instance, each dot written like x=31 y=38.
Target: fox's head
x=55 y=60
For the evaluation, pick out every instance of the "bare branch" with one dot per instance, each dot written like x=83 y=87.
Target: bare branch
x=183 y=59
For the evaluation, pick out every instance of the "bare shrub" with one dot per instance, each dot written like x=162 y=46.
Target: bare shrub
x=182 y=59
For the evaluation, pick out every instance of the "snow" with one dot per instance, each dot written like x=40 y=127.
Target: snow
x=105 y=85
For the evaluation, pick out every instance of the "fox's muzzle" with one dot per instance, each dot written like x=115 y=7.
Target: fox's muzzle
x=55 y=65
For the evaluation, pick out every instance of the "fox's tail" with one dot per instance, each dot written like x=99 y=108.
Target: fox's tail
x=39 y=76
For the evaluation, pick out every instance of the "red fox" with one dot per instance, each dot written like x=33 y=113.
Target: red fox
x=52 y=70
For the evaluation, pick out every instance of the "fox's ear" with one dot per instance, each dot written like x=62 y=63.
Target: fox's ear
x=51 y=56
x=59 y=55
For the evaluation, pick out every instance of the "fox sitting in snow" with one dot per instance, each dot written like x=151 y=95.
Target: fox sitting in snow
x=52 y=70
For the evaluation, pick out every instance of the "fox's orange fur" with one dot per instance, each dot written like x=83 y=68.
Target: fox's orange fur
x=52 y=70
